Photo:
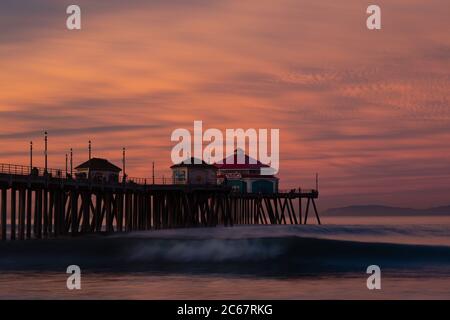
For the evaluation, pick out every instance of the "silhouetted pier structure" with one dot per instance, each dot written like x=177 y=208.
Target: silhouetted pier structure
x=39 y=203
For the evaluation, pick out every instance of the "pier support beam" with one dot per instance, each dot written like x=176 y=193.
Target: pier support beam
x=13 y=207
x=30 y=207
x=3 y=213
x=29 y=211
x=22 y=202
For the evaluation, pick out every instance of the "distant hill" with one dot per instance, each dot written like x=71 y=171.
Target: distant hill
x=376 y=210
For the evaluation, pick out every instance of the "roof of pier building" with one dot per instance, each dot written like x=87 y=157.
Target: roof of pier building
x=98 y=164
x=194 y=162
x=231 y=162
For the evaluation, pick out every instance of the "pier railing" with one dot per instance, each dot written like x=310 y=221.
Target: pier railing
x=7 y=168
x=300 y=190
x=50 y=173
x=63 y=175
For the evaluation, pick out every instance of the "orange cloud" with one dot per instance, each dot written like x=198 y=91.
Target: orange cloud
x=367 y=110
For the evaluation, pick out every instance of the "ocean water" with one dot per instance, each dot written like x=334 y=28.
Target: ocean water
x=241 y=262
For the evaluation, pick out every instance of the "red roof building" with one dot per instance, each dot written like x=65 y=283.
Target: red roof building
x=243 y=174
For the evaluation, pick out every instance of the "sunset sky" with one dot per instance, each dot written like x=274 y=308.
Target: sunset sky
x=368 y=110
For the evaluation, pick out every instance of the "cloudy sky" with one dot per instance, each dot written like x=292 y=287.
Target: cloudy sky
x=368 y=110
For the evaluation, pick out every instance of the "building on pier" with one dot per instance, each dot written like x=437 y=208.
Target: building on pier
x=243 y=174
x=99 y=170
x=194 y=171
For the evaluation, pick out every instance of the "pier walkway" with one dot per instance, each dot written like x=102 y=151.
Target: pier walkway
x=39 y=203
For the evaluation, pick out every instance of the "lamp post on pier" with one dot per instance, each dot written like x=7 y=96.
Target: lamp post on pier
x=46 y=151
x=31 y=156
x=123 y=165
x=71 y=162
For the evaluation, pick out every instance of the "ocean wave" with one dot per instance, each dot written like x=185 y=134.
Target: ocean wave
x=272 y=256
x=406 y=234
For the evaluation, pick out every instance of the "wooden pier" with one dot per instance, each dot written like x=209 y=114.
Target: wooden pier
x=40 y=204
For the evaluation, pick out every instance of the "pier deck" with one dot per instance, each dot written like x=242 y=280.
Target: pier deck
x=37 y=203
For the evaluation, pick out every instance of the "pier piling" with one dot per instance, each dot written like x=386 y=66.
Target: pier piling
x=42 y=206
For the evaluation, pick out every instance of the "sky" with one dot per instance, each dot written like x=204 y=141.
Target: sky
x=368 y=110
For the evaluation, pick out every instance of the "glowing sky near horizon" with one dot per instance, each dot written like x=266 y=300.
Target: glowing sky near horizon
x=368 y=110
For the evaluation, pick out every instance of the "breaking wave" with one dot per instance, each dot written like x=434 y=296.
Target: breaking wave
x=246 y=251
